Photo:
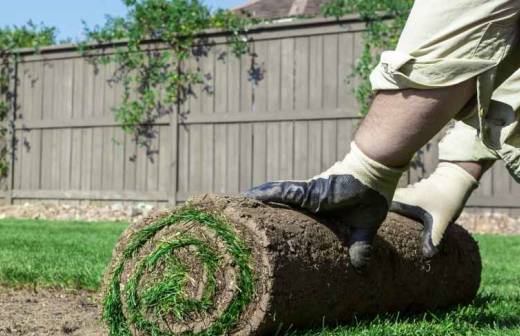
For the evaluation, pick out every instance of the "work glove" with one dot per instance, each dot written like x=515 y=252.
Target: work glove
x=357 y=189
x=436 y=201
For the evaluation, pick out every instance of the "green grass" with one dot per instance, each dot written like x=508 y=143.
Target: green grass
x=74 y=255
x=55 y=253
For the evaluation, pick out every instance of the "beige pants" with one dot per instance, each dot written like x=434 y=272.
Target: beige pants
x=448 y=42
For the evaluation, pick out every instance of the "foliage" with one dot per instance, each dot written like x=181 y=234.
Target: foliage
x=29 y=35
x=155 y=76
x=380 y=34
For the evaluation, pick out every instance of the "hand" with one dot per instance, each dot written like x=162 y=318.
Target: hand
x=436 y=201
x=358 y=189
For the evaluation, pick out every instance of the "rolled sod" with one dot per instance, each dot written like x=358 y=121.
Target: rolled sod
x=223 y=265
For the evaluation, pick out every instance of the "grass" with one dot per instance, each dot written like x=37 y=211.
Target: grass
x=166 y=291
x=74 y=255
x=55 y=253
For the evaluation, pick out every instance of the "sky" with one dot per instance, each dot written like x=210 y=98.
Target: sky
x=67 y=15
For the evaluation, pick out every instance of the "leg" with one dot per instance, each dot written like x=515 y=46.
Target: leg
x=475 y=168
x=438 y=200
x=406 y=120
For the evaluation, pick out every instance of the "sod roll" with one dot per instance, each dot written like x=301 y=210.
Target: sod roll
x=234 y=266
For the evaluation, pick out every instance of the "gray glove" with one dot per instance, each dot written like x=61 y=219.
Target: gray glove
x=358 y=189
x=436 y=201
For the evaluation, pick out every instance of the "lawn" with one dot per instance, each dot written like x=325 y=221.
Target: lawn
x=55 y=253
x=74 y=255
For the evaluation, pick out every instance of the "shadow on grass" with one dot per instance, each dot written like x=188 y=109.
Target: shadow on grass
x=487 y=311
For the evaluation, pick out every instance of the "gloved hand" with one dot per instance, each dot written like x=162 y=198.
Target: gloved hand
x=436 y=201
x=357 y=188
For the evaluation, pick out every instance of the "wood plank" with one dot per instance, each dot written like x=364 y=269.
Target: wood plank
x=37 y=107
x=25 y=153
x=273 y=74
x=221 y=94
x=75 y=160
x=273 y=152
x=287 y=73
x=195 y=165
x=46 y=167
x=21 y=163
x=329 y=144
x=57 y=86
x=286 y=150
x=86 y=159
x=99 y=90
x=246 y=87
x=301 y=145
x=260 y=89
x=207 y=160
x=19 y=159
x=24 y=93
x=67 y=94
x=107 y=170
x=314 y=155
x=184 y=159
x=345 y=134
x=56 y=160
x=119 y=160
x=207 y=97
x=36 y=159
x=331 y=74
x=140 y=168
x=220 y=159
x=97 y=159
x=346 y=65
x=48 y=91
x=302 y=64
x=194 y=103
x=164 y=162
x=130 y=163
x=152 y=163
x=246 y=156
x=233 y=158
x=316 y=80
x=78 y=95
x=233 y=83
x=259 y=153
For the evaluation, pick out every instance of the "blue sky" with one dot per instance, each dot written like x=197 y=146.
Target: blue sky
x=66 y=15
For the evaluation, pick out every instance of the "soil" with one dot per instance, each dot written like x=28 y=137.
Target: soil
x=45 y=312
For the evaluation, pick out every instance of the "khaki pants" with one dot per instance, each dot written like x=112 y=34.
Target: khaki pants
x=448 y=42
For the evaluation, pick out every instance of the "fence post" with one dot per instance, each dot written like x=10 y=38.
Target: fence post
x=174 y=134
x=174 y=150
x=11 y=97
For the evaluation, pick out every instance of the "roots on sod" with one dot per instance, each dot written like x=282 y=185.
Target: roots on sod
x=224 y=265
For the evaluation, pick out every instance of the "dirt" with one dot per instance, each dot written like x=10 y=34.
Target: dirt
x=45 y=312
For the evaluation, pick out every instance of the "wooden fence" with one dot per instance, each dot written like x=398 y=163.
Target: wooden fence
x=296 y=121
